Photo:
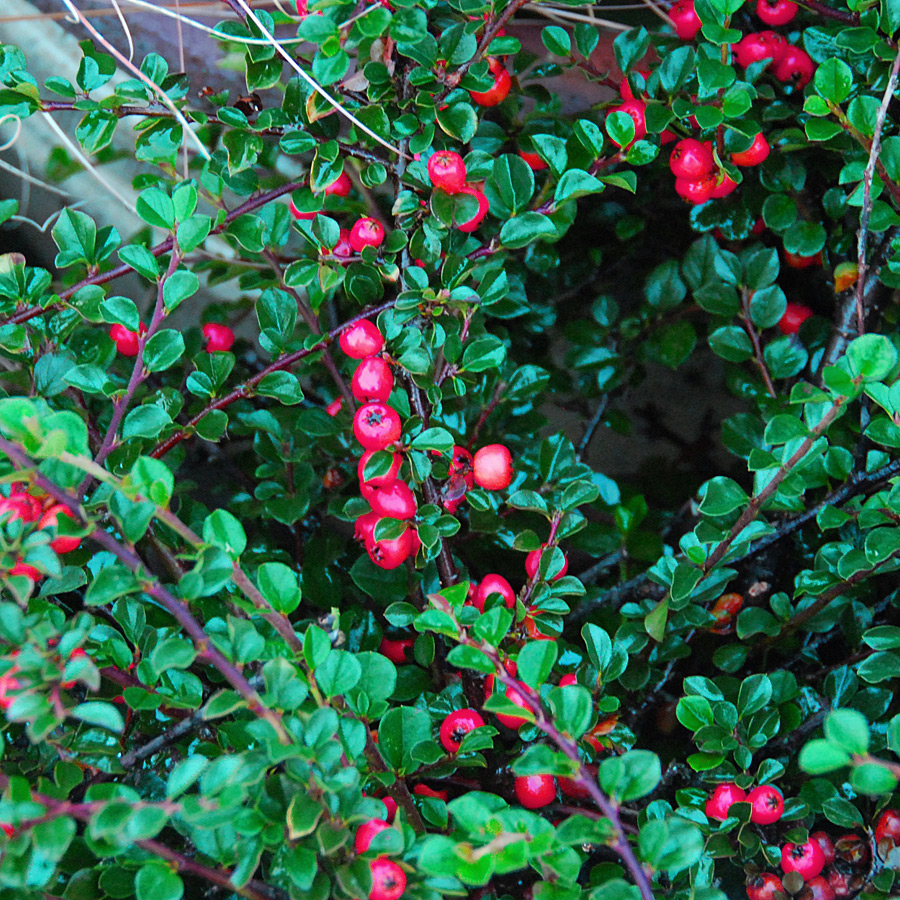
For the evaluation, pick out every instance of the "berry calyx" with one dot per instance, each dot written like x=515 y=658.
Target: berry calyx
x=807 y=860
x=499 y=90
x=388 y=880
x=492 y=467
x=361 y=339
x=533 y=562
x=393 y=500
x=764 y=886
x=685 y=19
x=535 y=791
x=366 y=232
x=795 y=314
x=691 y=159
x=493 y=584
x=373 y=380
x=722 y=799
x=767 y=804
x=447 y=171
x=483 y=207
x=219 y=338
x=457 y=725
x=126 y=341
x=50 y=519
x=756 y=153
x=366 y=832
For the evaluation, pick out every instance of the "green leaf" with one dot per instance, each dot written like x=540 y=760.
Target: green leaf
x=849 y=730
x=223 y=530
x=402 y=729
x=156 y=881
x=535 y=661
x=819 y=757
x=156 y=208
x=164 y=349
x=526 y=228
x=465 y=657
x=279 y=586
x=103 y=715
x=871 y=357
x=630 y=776
x=180 y=285
x=339 y=673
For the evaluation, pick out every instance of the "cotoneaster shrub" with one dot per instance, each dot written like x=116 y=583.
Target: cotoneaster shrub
x=306 y=599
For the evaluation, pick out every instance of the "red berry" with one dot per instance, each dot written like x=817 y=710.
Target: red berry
x=888 y=827
x=754 y=154
x=50 y=519
x=390 y=804
x=447 y=171
x=852 y=849
x=776 y=12
x=379 y=480
x=24 y=569
x=393 y=500
x=767 y=803
x=685 y=19
x=764 y=886
x=366 y=832
x=389 y=554
x=637 y=110
x=795 y=314
x=8 y=830
x=724 y=610
x=795 y=66
x=364 y=526
x=396 y=651
x=568 y=679
x=492 y=467
x=366 y=232
x=388 y=880
x=722 y=798
x=335 y=406
x=816 y=888
x=342 y=249
x=516 y=695
x=535 y=791
x=533 y=562
x=691 y=159
x=372 y=380
x=361 y=339
x=376 y=425
x=20 y=506
x=823 y=839
x=575 y=789
x=340 y=187
x=499 y=91
x=461 y=465
x=303 y=216
x=493 y=584
x=723 y=188
x=457 y=725
x=758 y=46
x=796 y=261
x=422 y=790
x=483 y=207
x=219 y=338
x=696 y=192
x=534 y=162
x=807 y=860
x=126 y=341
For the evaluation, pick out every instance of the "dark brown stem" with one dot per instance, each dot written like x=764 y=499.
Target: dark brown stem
x=398 y=790
x=829 y=12
x=758 y=356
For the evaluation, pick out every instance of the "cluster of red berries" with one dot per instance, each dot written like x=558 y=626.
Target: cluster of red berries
x=44 y=513
x=828 y=869
x=365 y=231
x=699 y=178
x=447 y=171
x=388 y=878
x=377 y=426
x=218 y=338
